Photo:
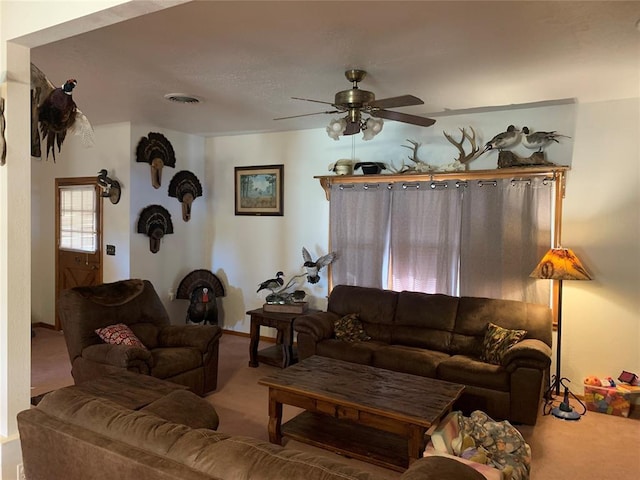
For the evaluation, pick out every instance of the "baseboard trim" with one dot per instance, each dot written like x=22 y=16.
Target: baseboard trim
x=247 y=335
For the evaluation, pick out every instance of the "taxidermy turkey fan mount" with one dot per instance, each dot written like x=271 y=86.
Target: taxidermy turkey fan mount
x=355 y=102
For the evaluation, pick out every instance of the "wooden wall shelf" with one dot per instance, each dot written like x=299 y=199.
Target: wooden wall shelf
x=557 y=172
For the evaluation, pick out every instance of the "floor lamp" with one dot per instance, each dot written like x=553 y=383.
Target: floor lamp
x=560 y=264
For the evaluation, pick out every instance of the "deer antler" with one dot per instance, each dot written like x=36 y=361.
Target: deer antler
x=463 y=157
x=415 y=147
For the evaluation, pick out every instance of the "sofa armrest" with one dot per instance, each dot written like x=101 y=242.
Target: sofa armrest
x=124 y=356
x=527 y=353
x=196 y=336
x=317 y=325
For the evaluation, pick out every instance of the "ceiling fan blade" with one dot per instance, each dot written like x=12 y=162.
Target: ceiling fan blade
x=403 y=117
x=393 y=102
x=309 y=100
x=306 y=115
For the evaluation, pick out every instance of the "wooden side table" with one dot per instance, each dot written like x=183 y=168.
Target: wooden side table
x=282 y=354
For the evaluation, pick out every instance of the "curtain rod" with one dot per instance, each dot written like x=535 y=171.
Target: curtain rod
x=556 y=172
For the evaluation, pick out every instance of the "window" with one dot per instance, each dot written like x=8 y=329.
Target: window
x=78 y=229
x=458 y=237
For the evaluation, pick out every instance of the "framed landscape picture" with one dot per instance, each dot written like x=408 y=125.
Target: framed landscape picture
x=259 y=190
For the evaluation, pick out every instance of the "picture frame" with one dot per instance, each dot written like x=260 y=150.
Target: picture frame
x=259 y=190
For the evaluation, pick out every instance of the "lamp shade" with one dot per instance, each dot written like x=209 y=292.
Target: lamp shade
x=560 y=264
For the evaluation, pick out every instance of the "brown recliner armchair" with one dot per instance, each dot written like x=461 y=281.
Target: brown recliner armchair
x=184 y=354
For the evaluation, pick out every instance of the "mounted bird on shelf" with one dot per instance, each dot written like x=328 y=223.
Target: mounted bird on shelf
x=539 y=140
x=56 y=113
x=501 y=141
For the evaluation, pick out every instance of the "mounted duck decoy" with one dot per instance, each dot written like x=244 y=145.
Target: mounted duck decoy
x=313 y=267
x=110 y=188
x=272 y=283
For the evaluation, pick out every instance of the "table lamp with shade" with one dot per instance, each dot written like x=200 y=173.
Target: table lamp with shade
x=560 y=264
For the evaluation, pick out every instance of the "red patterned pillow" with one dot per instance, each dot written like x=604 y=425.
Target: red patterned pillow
x=119 y=334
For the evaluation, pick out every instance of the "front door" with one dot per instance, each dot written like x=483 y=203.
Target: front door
x=78 y=234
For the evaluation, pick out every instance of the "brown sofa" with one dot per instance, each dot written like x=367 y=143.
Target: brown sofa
x=184 y=354
x=160 y=432
x=441 y=337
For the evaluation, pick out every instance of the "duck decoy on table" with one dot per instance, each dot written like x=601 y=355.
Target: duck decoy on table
x=313 y=267
x=503 y=140
x=539 y=140
x=56 y=113
x=272 y=283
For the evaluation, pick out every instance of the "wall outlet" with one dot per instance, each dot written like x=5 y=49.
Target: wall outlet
x=21 y=472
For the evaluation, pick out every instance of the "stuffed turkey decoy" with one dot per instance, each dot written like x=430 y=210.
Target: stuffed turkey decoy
x=201 y=287
x=57 y=113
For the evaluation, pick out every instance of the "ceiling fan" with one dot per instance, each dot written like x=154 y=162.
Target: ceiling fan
x=356 y=102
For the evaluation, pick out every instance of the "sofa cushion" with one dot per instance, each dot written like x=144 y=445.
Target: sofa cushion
x=111 y=420
x=497 y=341
x=168 y=362
x=186 y=408
x=242 y=457
x=424 y=320
x=472 y=371
x=375 y=306
x=349 y=329
x=356 y=352
x=413 y=360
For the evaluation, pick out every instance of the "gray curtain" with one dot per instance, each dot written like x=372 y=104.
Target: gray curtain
x=425 y=237
x=359 y=225
x=476 y=238
x=506 y=229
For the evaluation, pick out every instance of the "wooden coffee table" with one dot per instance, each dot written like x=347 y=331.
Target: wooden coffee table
x=379 y=416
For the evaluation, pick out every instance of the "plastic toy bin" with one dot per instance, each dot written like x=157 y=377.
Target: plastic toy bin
x=608 y=400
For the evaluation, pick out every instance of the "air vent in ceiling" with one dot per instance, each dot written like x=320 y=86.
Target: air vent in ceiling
x=181 y=98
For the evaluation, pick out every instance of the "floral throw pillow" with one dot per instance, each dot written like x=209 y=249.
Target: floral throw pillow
x=497 y=341
x=119 y=334
x=350 y=329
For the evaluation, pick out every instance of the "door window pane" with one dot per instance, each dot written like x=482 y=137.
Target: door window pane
x=78 y=229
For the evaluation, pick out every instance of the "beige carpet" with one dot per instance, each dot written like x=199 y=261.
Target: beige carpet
x=597 y=446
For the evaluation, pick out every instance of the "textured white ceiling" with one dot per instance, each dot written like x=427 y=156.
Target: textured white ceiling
x=246 y=59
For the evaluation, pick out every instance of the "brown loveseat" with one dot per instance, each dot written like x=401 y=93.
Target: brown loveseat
x=90 y=431
x=184 y=354
x=441 y=337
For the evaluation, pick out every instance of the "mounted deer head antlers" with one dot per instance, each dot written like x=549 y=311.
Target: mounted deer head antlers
x=464 y=157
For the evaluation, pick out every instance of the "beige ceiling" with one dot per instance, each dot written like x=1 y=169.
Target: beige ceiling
x=244 y=60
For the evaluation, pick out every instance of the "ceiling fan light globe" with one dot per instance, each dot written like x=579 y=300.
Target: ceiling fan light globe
x=336 y=128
